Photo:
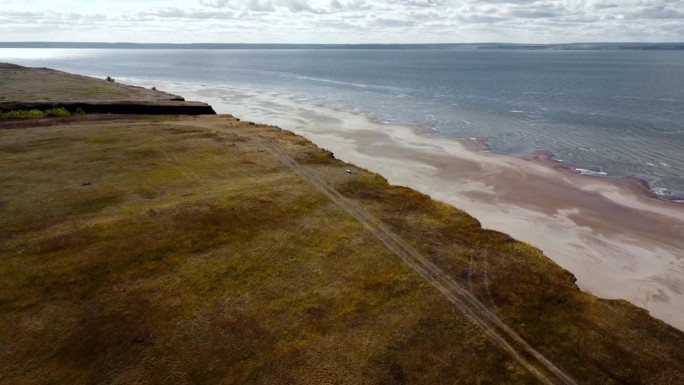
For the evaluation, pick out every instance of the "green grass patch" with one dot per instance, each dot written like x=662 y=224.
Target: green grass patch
x=19 y=114
x=51 y=112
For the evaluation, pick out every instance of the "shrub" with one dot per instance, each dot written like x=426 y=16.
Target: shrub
x=20 y=114
x=61 y=111
x=110 y=79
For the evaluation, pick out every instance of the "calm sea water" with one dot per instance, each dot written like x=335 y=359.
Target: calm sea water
x=622 y=111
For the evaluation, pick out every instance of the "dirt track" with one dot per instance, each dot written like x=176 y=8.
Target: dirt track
x=471 y=307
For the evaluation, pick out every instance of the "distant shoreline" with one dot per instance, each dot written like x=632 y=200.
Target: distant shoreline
x=448 y=46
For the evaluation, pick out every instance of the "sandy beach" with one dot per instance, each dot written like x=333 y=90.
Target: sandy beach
x=616 y=240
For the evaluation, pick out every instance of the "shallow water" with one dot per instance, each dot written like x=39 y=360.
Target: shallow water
x=622 y=111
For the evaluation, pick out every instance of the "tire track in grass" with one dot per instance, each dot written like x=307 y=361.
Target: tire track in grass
x=499 y=333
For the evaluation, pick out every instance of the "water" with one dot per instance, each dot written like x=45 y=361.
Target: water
x=621 y=111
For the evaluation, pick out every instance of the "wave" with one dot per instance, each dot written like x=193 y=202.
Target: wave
x=338 y=82
x=584 y=171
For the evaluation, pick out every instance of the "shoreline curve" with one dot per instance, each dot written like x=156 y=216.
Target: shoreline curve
x=616 y=239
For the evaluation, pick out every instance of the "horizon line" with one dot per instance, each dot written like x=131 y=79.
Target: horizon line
x=596 y=46
x=338 y=44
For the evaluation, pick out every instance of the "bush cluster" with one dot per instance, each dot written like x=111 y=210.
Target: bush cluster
x=35 y=113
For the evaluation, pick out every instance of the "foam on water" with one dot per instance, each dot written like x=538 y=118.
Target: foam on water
x=584 y=171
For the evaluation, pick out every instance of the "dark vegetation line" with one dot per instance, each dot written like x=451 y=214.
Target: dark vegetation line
x=40 y=109
x=498 y=332
x=38 y=113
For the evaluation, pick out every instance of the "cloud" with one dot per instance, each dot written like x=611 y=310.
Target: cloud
x=352 y=21
x=422 y=3
x=178 y=13
x=387 y=22
x=292 y=6
x=659 y=11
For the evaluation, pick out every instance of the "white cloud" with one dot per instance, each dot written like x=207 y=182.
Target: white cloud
x=343 y=21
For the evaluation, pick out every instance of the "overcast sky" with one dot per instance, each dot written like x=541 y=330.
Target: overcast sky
x=342 y=21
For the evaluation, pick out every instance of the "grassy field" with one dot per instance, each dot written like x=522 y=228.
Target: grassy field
x=42 y=84
x=181 y=250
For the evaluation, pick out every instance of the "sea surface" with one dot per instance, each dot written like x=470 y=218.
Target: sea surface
x=608 y=113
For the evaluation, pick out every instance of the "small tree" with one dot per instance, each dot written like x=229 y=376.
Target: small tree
x=110 y=79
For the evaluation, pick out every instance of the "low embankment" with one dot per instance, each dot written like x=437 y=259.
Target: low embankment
x=28 y=89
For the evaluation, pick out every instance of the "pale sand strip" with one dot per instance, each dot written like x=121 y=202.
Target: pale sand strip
x=616 y=241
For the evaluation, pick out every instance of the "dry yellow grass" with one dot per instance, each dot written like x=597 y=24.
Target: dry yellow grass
x=34 y=92
x=180 y=250
x=43 y=84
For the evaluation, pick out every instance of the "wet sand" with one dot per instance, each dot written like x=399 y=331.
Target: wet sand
x=617 y=241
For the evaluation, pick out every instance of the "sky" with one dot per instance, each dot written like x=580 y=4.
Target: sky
x=342 y=21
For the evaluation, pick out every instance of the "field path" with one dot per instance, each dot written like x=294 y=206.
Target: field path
x=471 y=307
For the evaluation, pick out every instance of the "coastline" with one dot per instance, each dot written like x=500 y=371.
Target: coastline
x=619 y=241
x=167 y=246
